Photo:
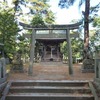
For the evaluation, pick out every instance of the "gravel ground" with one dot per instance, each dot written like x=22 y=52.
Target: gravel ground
x=51 y=71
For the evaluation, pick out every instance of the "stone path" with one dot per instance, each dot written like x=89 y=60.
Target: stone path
x=52 y=71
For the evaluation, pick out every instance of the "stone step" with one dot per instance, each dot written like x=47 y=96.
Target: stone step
x=49 y=83
x=49 y=89
x=49 y=96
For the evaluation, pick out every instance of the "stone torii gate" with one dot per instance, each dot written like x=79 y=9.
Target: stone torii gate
x=67 y=28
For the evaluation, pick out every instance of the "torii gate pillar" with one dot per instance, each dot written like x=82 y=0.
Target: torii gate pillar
x=70 y=61
x=32 y=49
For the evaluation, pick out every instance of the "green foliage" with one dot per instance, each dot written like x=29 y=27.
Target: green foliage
x=17 y=3
x=95 y=9
x=23 y=46
x=37 y=14
x=21 y=38
x=38 y=6
x=77 y=46
x=96 y=22
x=41 y=12
x=95 y=39
x=86 y=16
x=8 y=30
x=63 y=47
x=37 y=21
x=49 y=18
x=66 y=3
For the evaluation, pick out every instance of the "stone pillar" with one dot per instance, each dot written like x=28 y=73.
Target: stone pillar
x=99 y=70
x=2 y=68
x=69 y=52
x=32 y=49
x=97 y=66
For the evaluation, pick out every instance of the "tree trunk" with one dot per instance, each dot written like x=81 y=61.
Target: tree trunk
x=86 y=29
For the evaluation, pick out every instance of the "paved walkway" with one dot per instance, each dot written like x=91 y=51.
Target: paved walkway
x=52 y=71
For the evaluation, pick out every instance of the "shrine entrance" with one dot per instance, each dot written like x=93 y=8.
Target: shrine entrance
x=50 y=50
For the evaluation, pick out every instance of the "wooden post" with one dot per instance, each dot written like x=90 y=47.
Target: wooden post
x=69 y=52
x=32 y=49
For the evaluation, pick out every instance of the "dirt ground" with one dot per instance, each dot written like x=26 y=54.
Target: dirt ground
x=51 y=71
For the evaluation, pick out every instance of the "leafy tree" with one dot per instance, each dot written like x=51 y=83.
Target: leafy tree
x=41 y=9
x=76 y=48
x=67 y=4
x=8 y=29
x=37 y=20
x=23 y=47
x=95 y=39
x=63 y=49
x=17 y=6
x=37 y=13
x=96 y=22
x=49 y=18
x=95 y=42
x=33 y=7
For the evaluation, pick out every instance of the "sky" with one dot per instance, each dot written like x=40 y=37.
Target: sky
x=65 y=16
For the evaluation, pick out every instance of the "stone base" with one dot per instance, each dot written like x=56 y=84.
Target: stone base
x=87 y=70
x=51 y=59
x=17 y=68
x=88 y=66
